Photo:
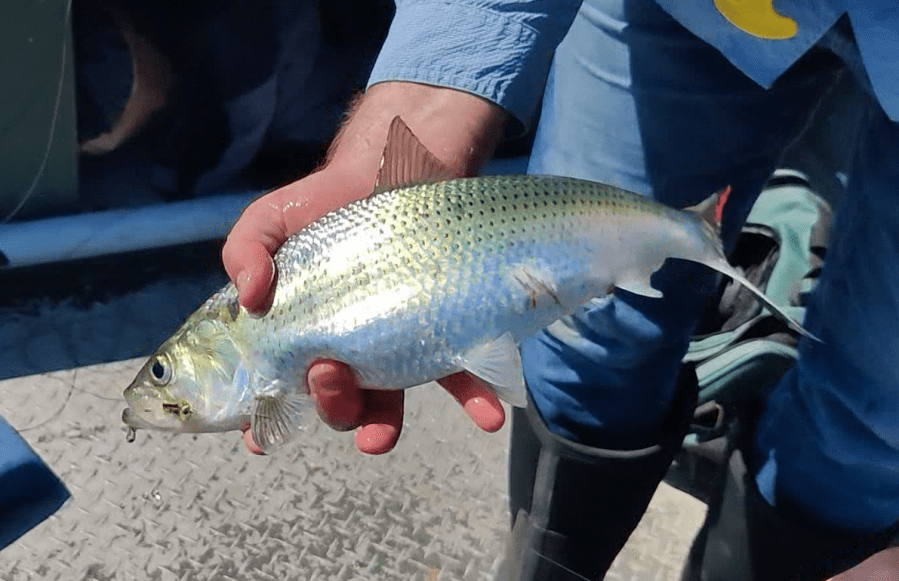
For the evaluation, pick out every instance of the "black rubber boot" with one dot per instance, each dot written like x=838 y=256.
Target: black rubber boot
x=574 y=506
x=745 y=539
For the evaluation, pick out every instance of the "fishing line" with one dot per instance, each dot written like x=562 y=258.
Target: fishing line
x=43 y=166
x=55 y=414
x=72 y=388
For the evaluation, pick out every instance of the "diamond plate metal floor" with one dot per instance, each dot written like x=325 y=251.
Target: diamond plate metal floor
x=197 y=508
x=184 y=507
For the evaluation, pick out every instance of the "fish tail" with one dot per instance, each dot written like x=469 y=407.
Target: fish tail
x=709 y=212
x=726 y=269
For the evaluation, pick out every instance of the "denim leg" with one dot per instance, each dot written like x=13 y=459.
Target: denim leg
x=635 y=100
x=828 y=442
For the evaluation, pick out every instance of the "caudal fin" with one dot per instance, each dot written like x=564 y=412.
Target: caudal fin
x=710 y=212
x=723 y=267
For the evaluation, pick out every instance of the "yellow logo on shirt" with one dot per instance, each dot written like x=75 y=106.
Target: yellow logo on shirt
x=758 y=18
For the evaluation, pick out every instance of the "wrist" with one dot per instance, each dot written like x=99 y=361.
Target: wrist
x=461 y=129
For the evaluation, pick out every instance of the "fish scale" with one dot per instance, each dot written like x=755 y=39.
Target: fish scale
x=412 y=284
x=391 y=284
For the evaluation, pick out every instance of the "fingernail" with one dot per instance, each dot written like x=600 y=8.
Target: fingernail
x=241 y=281
x=485 y=414
x=474 y=408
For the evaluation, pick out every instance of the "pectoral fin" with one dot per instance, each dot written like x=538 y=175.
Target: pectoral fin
x=276 y=419
x=538 y=285
x=499 y=364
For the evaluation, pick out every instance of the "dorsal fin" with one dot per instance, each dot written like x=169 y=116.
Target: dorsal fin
x=406 y=161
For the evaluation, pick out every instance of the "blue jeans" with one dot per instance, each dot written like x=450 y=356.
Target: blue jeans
x=635 y=100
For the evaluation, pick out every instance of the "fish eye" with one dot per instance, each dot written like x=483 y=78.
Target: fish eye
x=160 y=371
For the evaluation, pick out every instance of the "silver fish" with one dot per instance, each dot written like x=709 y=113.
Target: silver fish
x=412 y=284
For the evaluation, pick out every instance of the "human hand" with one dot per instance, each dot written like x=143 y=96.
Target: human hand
x=377 y=414
x=341 y=404
x=468 y=129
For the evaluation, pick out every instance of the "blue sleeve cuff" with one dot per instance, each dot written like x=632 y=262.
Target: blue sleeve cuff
x=29 y=491
x=498 y=50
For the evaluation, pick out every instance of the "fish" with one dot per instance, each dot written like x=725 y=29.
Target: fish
x=426 y=277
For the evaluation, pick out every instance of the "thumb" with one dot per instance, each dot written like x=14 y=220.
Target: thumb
x=267 y=223
x=247 y=253
x=253 y=273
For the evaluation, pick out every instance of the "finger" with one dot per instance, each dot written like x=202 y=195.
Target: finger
x=382 y=421
x=252 y=447
x=247 y=253
x=267 y=223
x=338 y=399
x=477 y=399
x=255 y=276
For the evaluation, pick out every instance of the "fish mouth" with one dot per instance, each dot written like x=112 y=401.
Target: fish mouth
x=146 y=410
x=132 y=420
x=148 y=421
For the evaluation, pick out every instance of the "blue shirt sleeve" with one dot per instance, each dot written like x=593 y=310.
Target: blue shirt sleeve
x=497 y=49
x=29 y=491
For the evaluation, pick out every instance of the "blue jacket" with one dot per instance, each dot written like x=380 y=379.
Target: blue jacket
x=746 y=32
x=501 y=49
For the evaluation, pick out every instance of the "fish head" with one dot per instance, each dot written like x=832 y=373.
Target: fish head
x=192 y=383
x=160 y=396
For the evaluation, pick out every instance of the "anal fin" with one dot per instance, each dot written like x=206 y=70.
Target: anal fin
x=499 y=364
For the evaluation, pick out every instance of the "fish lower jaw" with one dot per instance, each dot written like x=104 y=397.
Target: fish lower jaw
x=133 y=420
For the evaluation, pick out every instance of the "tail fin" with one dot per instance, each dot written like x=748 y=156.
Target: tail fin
x=710 y=211
x=726 y=269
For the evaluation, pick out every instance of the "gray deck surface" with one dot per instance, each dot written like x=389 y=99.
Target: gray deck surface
x=184 y=507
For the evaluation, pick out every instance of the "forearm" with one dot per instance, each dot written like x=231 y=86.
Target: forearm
x=461 y=129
